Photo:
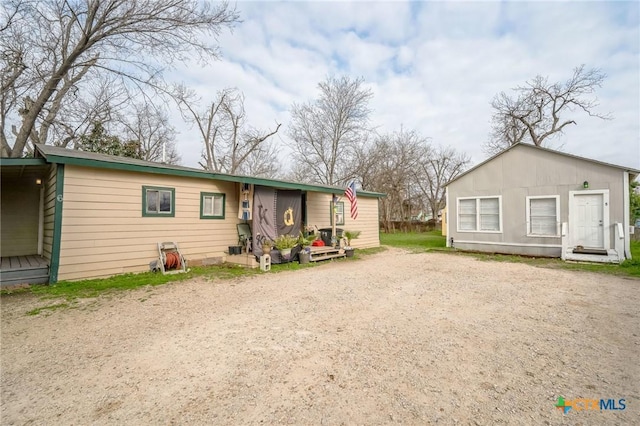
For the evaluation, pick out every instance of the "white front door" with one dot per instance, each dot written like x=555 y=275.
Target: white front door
x=588 y=217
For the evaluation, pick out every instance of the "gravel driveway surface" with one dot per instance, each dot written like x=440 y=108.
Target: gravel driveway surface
x=392 y=338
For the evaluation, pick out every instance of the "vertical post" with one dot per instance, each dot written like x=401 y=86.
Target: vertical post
x=333 y=218
x=41 y=221
x=54 y=265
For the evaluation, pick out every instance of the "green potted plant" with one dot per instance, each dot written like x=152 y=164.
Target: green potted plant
x=284 y=244
x=350 y=235
x=267 y=245
x=305 y=243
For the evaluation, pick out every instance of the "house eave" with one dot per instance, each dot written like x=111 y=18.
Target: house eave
x=113 y=163
x=633 y=172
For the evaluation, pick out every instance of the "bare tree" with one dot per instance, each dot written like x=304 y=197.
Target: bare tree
x=262 y=162
x=538 y=111
x=51 y=49
x=441 y=165
x=392 y=163
x=102 y=102
x=230 y=145
x=149 y=128
x=327 y=131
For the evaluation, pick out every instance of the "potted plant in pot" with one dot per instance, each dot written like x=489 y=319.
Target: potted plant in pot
x=350 y=235
x=267 y=245
x=284 y=244
x=305 y=243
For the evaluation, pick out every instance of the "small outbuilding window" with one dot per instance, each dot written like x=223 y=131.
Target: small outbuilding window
x=158 y=201
x=211 y=205
x=339 y=213
x=480 y=214
x=543 y=216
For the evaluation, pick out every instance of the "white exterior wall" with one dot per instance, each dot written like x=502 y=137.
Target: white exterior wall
x=525 y=171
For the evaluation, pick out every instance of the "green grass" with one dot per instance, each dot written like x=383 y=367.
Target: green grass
x=70 y=291
x=433 y=240
x=366 y=252
x=428 y=241
x=629 y=268
x=38 y=311
x=415 y=241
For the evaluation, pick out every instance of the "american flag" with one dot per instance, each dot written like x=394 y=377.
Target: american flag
x=350 y=193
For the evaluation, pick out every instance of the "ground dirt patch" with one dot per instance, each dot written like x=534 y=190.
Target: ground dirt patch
x=394 y=337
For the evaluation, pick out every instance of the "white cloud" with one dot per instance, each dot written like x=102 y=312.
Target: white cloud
x=433 y=67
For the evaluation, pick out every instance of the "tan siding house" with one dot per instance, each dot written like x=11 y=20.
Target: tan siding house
x=105 y=232
x=87 y=215
x=539 y=202
x=319 y=215
x=49 y=211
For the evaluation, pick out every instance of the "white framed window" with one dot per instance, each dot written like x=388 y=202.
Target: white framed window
x=211 y=205
x=338 y=213
x=543 y=216
x=480 y=214
x=467 y=215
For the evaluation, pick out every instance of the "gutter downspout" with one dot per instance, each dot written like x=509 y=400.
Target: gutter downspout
x=448 y=213
x=625 y=215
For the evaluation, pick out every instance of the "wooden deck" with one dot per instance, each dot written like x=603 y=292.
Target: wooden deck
x=324 y=253
x=14 y=263
x=31 y=269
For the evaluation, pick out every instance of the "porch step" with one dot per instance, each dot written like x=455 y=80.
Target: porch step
x=326 y=256
x=590 y=251
x=324 y=253
x=610 y=257
x=24 y=276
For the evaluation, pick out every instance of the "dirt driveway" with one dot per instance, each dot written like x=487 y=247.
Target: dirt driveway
x=395 y=337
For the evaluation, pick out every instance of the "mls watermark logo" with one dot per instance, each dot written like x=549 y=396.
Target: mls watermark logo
x=584 y=404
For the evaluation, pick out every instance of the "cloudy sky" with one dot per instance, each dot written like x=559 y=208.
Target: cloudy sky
x=432 y=66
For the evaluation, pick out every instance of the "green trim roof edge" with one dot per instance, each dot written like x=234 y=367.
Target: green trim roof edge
x=57 y=155
x=22 y=162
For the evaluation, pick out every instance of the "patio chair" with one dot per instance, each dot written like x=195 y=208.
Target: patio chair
x=244 y=236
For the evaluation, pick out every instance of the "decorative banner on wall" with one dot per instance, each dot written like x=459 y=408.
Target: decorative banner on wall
x=246 y=201
x=288 y=212
x=264 y=217
x=275 y=212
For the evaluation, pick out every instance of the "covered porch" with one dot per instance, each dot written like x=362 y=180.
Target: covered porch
x=15 y=270
x=26 y=221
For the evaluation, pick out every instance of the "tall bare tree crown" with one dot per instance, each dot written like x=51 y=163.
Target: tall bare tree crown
x=328 y=132
x=53 y=50
x=540 y=109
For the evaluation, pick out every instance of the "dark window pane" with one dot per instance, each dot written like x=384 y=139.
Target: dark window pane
x=165 y=202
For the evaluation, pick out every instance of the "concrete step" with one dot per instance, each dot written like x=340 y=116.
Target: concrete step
x=610 y=257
